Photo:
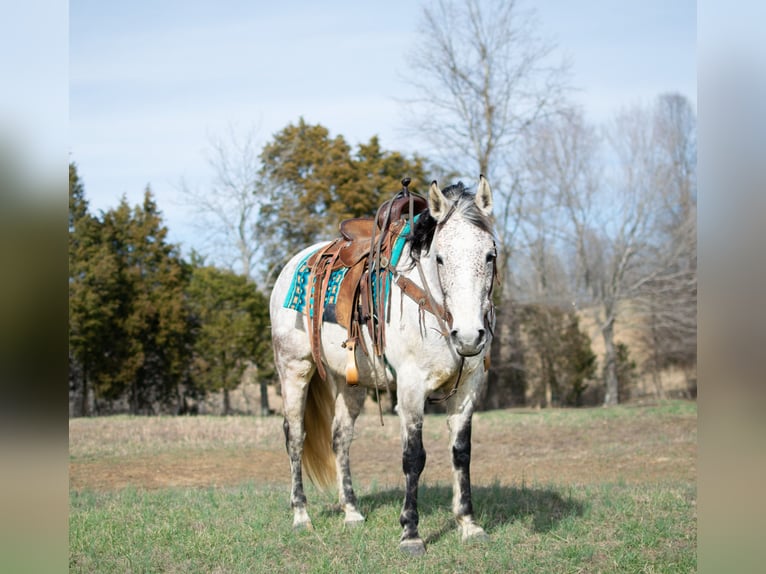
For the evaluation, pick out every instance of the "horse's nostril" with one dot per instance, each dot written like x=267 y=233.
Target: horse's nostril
x=482 y=334
x=453 y=333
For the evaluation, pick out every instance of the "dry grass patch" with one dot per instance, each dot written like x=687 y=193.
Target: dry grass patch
x=585 y=446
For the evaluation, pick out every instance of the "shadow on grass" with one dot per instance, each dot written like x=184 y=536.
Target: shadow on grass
x=495 y=506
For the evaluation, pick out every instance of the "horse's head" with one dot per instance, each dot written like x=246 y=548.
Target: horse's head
x=464 y=252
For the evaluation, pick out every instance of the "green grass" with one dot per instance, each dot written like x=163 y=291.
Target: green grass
x=534 y=528
x=635 y=519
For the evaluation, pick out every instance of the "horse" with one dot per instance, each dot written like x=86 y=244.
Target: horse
x=450 y=254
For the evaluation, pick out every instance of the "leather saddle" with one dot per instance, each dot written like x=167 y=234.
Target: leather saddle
x=364 y=250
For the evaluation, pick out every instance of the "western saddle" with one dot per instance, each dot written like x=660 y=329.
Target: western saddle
x=364 y=248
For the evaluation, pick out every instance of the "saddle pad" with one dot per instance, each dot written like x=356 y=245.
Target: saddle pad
x=396 y=254
x=296 y=295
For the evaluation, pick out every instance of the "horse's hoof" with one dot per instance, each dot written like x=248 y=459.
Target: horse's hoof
x=413 y=546
x=354 y=521
x=353 y=516
x=474 y=534
x=303 y=526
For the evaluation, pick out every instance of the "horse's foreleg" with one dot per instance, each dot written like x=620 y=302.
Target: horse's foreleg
x=347 y=408
x=413 y=462
x=462 y=506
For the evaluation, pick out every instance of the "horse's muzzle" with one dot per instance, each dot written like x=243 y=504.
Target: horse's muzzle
x=468 y=343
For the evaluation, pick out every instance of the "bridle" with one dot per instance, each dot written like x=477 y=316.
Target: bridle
x=444 y=318
x=423 y=296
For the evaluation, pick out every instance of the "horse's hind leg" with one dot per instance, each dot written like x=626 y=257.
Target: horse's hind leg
x=459 y=422
x=295 y=379
x=348 y=404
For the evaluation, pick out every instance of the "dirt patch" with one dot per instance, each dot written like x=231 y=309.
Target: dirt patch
x=509 y=447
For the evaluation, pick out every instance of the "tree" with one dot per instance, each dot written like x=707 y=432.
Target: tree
x=128 y=318
x=232 y=329
x=376 y=177
x=484 y=78
x=303 y=167
x=604 y=234
x=609 y=224
x=669 y=299
x=626 y=372
x=560 y=362
x=315 y=182
x=228 y=208
x=229 y=211
x=93 y=301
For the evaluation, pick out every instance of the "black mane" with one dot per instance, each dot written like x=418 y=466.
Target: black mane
x=425 y=226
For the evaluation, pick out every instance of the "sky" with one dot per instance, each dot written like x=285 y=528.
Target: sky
x=151 y=84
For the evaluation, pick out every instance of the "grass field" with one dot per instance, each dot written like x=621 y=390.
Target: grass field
x=591 y=490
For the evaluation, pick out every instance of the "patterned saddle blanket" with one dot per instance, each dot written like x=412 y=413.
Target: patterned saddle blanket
x=300 y=294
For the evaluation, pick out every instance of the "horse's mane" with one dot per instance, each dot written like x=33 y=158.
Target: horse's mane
x=465 y=204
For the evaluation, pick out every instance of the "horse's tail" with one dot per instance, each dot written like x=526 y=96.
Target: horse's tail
x=318 y=455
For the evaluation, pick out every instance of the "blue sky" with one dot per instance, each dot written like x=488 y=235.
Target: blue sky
x=152 y=82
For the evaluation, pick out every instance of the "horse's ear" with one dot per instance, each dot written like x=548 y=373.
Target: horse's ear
x=484 y=196
x=437 y=203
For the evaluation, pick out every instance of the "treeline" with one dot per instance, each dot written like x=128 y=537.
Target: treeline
x=596 y=230
x=148 y=330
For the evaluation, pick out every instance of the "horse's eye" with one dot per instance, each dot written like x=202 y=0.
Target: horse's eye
x=491 y=256
x=439 y=260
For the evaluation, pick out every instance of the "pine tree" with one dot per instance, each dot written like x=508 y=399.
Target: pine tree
x=129 y=334
x=560 y=360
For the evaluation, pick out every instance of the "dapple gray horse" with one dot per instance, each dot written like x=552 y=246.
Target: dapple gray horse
x=451 y=254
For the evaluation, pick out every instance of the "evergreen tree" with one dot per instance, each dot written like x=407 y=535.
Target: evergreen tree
x=150 y=337
x=232 y=329
x=626 y=372
x=93 y=288
x=578 y=360
x=316 y=183
x=129 y=333
x=560 y=361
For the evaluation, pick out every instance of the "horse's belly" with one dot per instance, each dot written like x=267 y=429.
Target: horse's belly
x=426 y=357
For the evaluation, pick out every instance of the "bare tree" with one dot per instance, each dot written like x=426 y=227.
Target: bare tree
x=669 y=299
x=227 y=210
x=609 y=207
x=483 y=76
x=561 y=160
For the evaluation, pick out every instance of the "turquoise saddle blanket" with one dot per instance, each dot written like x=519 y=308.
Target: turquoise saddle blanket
x=298 y=295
